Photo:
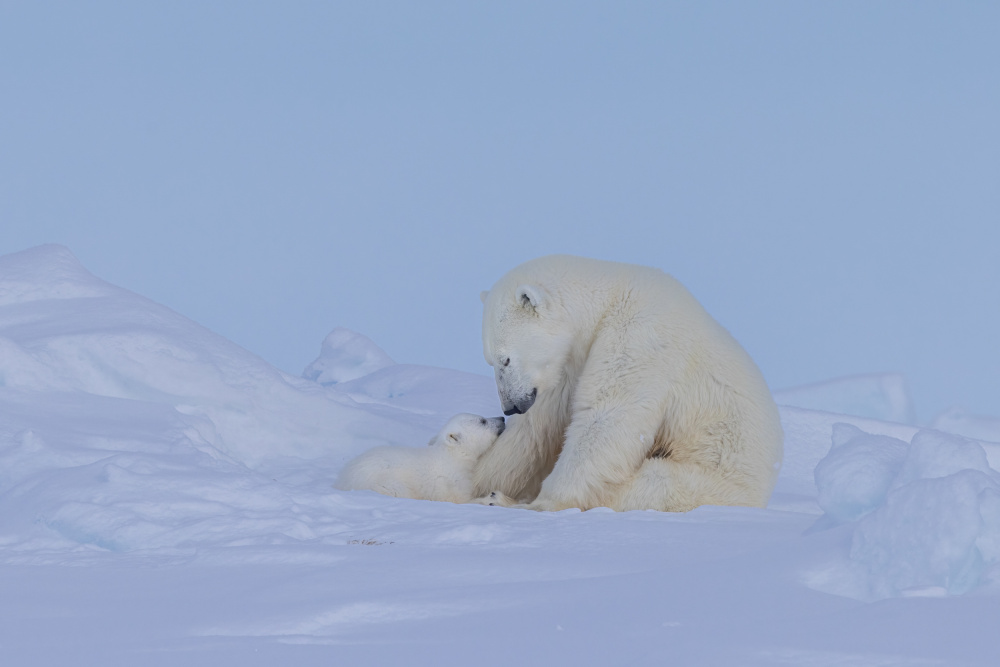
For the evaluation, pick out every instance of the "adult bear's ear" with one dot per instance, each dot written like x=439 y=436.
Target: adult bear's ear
x=531 y=296
x=483 y=295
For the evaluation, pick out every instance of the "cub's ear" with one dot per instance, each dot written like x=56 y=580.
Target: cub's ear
x=483 y=295
x=531 y=296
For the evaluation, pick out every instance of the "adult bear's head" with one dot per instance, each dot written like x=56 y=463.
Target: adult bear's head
x=527 y=337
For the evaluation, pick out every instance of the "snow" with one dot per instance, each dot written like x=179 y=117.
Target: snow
x=931 y=534
x=927 y=512
x=877 y=396
x=854 y=478
x=346 y=355
x=166 y=498
x=960 y=422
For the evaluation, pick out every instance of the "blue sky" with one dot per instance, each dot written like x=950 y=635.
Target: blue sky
x=825 y=177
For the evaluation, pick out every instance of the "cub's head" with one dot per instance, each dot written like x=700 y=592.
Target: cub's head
x=469 y=435
x=527 y=338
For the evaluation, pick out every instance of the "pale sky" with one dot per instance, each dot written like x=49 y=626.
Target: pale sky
x=824 y=177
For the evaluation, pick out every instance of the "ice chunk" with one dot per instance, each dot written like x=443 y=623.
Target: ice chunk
x=935 y=454
x=855 y=476
x=928 y=512
x=346 y=355
x=880 y=396
x=977 y=427
x=938 y=532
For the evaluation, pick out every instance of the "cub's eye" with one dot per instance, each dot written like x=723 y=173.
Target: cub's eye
x=482 y=421
x=506 y=362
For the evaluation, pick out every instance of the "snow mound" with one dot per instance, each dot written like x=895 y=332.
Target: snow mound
x=63 y=330
x=927 y=513
x=878 y=396
x=346 y=355
x=47 y=272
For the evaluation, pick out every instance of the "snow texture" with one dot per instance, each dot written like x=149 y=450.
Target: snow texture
x=166 y=498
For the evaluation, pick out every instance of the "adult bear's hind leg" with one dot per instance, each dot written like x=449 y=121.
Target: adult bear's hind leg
x=671 y=486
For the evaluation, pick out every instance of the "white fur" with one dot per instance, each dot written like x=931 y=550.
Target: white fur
x=641 y=400
x=440 y=471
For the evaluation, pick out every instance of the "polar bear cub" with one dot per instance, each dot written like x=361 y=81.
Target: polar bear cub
x=440 y=471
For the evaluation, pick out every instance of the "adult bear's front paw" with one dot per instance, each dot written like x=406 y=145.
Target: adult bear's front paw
x=547 y=505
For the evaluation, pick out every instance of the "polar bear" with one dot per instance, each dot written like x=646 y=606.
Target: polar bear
x=440 y=471
x=626 y=394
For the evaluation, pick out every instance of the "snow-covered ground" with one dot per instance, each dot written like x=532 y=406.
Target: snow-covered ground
x=166 y=499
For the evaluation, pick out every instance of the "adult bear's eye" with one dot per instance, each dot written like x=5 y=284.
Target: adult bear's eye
x=482 y=421
x=506 y=362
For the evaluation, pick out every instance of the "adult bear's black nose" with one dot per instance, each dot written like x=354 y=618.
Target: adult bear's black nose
x=521 y=405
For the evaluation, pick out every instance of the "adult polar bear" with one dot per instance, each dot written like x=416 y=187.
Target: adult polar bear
x=628 y=394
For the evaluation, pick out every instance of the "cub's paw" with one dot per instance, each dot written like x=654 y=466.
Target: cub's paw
x=497 y=498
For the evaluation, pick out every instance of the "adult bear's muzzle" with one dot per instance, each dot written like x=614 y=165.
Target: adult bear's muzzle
x=519 y=405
